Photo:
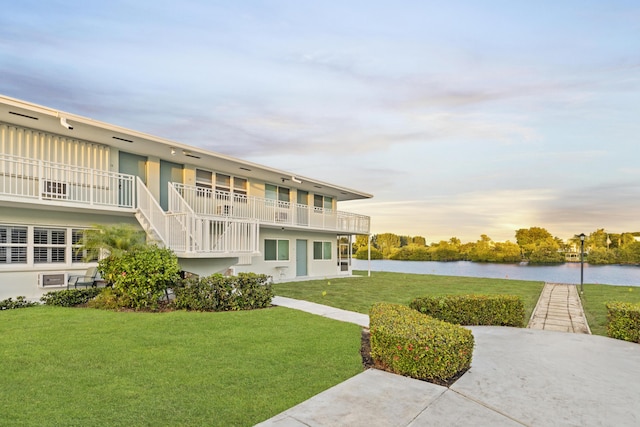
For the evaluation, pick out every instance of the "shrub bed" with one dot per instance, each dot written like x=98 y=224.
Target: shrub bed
x=406 y=342
x=19 y=302
x=70 y=297
x=623 y=321
x=246 y=291
x=495 y=310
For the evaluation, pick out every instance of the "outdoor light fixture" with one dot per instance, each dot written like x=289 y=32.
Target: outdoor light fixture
x=173 y=151
x=582 y=236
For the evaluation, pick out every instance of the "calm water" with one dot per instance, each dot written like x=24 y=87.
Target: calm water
x=623 y=275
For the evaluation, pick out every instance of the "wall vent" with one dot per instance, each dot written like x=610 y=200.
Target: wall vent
x=121 y=139
x=23 y=115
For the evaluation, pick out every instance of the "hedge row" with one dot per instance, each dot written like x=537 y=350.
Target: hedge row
x=70 y=297
x=19 y=302
x=495 y=310
x=246 y=291
x=623 y=321
x=406 y=342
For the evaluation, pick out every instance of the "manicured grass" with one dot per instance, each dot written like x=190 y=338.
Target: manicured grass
x=81 y=367
x=359 y=293
x=595 y=298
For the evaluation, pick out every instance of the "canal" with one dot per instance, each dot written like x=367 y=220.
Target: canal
x=620 y=275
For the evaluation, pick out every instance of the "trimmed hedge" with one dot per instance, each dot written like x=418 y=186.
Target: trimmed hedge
x=246 y=291
x=20 y=302
x=70 y=297
x=495 y=310
x=623 y=321
x=406 y=342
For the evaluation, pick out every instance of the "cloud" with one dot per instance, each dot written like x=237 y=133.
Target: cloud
x=500 y=213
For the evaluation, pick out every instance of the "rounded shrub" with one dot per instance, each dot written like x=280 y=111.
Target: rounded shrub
x=406 y=342
x=141 y=276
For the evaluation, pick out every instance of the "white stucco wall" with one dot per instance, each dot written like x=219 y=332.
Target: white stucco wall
x=286 y=270
x=22 y=279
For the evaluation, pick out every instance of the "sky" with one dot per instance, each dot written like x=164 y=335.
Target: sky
x=461 y=117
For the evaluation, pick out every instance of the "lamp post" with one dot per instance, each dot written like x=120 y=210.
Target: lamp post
x=582 y=236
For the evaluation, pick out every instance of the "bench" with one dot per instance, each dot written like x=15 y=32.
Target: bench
x=90 y=279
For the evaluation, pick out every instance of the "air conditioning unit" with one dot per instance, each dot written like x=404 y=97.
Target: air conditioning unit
x=223 y=210
x=282 y=216
x=53 y=279
x=54 y=190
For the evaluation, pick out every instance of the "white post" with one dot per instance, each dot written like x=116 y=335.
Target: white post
x=369 y=253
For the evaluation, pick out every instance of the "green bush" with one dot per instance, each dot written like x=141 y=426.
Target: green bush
x=219 y=293
x=363 y=253
x=70 y=297
x=141 y=276
x=496 y=310
x=20 y=302
x=406 y=342
x=108 y=300
x=623 y=321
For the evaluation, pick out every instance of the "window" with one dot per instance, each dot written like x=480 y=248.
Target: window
x=223 y=182
x=204 y=182
x=46 y=245
x=322 y=250
x=240 y=189
x=13 y=245
x=303 y=197
x=49 y=245
x=276 y=250
x=320 y=202
x=273 y=192
x=239 y=186
x=226 y=183
x=78 y=254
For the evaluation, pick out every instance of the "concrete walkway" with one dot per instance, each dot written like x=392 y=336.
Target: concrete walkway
x=323 y=310
x=518 y=377
x=559 y=309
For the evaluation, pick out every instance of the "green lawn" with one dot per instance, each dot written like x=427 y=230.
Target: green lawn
x=80 y=367
x=359 y=293
x=596 y=296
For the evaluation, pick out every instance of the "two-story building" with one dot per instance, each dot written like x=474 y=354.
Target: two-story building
x=61 y=173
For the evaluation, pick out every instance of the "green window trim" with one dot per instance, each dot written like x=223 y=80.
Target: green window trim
x=322 y=250
x=276 y=250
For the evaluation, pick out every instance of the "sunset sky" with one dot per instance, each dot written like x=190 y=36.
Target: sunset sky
x=461 y=117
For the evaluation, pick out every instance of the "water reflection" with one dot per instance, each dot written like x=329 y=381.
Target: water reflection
x=622 y=275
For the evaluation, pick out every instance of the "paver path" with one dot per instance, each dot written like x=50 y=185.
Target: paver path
x=559 y=309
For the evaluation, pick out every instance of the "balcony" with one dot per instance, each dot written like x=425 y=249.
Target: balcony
x=36 y=181
x=208 y=202
x=188 y=234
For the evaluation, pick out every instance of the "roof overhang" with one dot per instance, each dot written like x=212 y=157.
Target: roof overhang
x=25 y=114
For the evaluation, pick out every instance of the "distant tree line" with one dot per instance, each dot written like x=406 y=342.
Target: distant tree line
x=535 y=245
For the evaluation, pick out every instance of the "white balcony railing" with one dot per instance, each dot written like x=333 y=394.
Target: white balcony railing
x=199 y=221
x=202 y=233
x=181 y=229
x=47 y=182
x=184 y=231
x=205 y=201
